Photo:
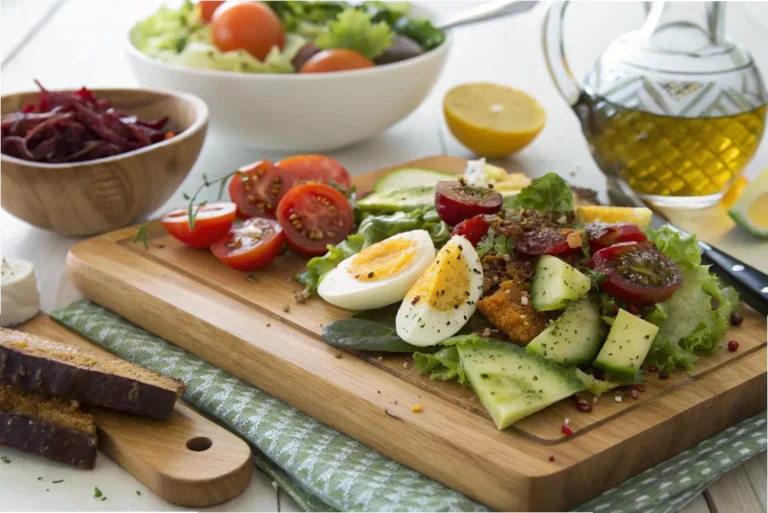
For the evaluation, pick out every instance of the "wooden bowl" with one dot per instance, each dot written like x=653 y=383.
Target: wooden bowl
x=86 y=198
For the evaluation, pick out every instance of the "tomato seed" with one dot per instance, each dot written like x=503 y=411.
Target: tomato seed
x=733 y=346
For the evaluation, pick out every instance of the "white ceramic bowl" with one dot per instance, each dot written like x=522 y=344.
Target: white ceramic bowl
x=301 y=113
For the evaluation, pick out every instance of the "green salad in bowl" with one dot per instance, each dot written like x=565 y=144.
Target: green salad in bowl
x=285 y=37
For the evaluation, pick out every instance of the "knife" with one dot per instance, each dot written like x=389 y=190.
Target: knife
x=751 y=284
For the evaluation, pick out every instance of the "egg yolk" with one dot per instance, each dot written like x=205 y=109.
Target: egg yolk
x=382 y=260
x=445 y=284
x=758 y=211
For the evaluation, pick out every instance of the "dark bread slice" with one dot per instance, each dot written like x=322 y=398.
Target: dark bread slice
x=50 y=427
x=61 y=370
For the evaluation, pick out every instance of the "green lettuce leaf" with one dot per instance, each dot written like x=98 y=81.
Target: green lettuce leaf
x=372 y=230
x=295 y=14
x=167 y=31
x=443 y=365
x=354 y=30
x=695 y=319
x=550 y=193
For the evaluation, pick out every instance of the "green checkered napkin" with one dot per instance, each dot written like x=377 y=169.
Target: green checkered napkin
x=324 y=470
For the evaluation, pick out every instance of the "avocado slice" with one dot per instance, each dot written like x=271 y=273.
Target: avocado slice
x=398 y=200
x=573 y=338
x=512 y=383
x=627 y=346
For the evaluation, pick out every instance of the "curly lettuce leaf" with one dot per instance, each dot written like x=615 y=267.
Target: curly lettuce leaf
x=354 y=30
x=372 y=230
x=167 y=31
x=550 y=193
x=443 y=365
x=295 y=14
x=695 y=319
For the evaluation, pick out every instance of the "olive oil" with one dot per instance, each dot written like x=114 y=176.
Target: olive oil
x=672 y=156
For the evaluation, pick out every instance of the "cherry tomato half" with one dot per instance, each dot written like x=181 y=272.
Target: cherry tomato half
x=602 y=235
x=212 y=223
x=250 y=26
x=258 y=193
x=455 y=201
x=473 y=229
x=637 y=272
x=208 y=7
x=335 y=59
x=251 y=245
x=316 y=168
x=314 y=215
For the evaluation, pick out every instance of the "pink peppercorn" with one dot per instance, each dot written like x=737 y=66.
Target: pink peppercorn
x=635 y=395
x=551 y=458
x=653 y=368
x=733 y=346
x=566 y=430
x=584 y=405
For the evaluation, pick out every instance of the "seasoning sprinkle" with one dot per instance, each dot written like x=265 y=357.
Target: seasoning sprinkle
x=57 y=482
x=417 y=408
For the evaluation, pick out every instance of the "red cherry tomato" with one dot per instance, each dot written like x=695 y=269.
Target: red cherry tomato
x=336 y=59
x=212 y=223
x=258 y=193
x=207 y=8
x=602 y=235
x=316 y=168
x=250 y=26
x=473 y=229
x=546 y=241
x=314 y=215
x=251 y=245
x=637 y=272
x=456 y=201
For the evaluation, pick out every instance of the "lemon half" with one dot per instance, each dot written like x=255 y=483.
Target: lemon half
x=750 y=211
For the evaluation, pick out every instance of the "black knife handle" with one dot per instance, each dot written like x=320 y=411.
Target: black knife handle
x=751 y=284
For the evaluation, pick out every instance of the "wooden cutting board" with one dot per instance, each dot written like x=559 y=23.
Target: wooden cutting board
x=251 y=326
x=185 y=459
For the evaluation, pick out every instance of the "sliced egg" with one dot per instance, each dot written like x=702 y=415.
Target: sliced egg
x=380 y=274
x=444 y=297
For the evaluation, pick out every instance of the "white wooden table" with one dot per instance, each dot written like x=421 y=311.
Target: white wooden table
x=68 y=43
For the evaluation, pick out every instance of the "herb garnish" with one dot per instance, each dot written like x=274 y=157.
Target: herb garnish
x=97 y=492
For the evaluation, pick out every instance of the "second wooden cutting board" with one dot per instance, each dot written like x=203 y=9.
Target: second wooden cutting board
x=250 y=326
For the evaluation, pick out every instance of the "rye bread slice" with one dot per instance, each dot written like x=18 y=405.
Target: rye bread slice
x=50 y=427
x=35 y=364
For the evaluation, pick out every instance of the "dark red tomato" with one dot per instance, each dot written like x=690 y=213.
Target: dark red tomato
x=251 y=245
x=335 y=59
x=212 y=223
x=547 y=241
x=314 y=215
x=258 y=193
x=637 y=272
x=602 y=235
x=316 y=168
x=207 y=8
x=456 y=201
x=473 y=229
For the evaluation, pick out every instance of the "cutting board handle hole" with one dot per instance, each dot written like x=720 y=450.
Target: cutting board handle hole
x=199 y=444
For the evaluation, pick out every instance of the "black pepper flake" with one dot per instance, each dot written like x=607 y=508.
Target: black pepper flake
x=5 y=459
x=370 y=274
x=415 y=300
x=57 y=482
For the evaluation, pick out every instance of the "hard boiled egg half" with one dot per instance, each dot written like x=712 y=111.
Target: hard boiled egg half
x=444 y=297
x=380 y=274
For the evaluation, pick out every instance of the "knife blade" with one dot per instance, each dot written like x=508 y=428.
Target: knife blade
x=750 y=283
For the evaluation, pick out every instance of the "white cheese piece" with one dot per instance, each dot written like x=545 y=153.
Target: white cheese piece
x=20 y=299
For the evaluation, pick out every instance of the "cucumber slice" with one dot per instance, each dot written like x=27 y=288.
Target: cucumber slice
x=556 y=283
x=398 y=200
x=410 y=177
x=512 y=383
x=627 y=346
x=573 y=338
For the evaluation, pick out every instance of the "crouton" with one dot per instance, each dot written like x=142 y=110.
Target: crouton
x=510 y=310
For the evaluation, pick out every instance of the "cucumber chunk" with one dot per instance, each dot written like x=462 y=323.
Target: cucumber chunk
x=410 y=177
x=398 y=200
x=555 y=283
x=573 y=338
x=512 y=383
x=627 y=346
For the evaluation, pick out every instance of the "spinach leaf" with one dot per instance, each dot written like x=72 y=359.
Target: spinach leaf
x=550 y=193
x=366 y=335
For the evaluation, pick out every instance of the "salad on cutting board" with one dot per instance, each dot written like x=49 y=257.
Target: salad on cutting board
x=527 y=291
x=285 y=37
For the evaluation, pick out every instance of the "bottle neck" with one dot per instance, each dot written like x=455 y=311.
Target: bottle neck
x=684 y=26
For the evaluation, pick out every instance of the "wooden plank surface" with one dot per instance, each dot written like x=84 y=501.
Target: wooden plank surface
x=81 y=44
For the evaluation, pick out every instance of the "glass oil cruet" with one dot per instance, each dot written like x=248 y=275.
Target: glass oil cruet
x=675 y=109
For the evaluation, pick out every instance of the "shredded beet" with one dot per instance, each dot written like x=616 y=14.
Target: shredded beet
x=74 y=127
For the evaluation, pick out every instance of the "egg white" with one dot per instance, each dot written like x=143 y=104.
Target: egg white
x=341 y=288
x=419 y=323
